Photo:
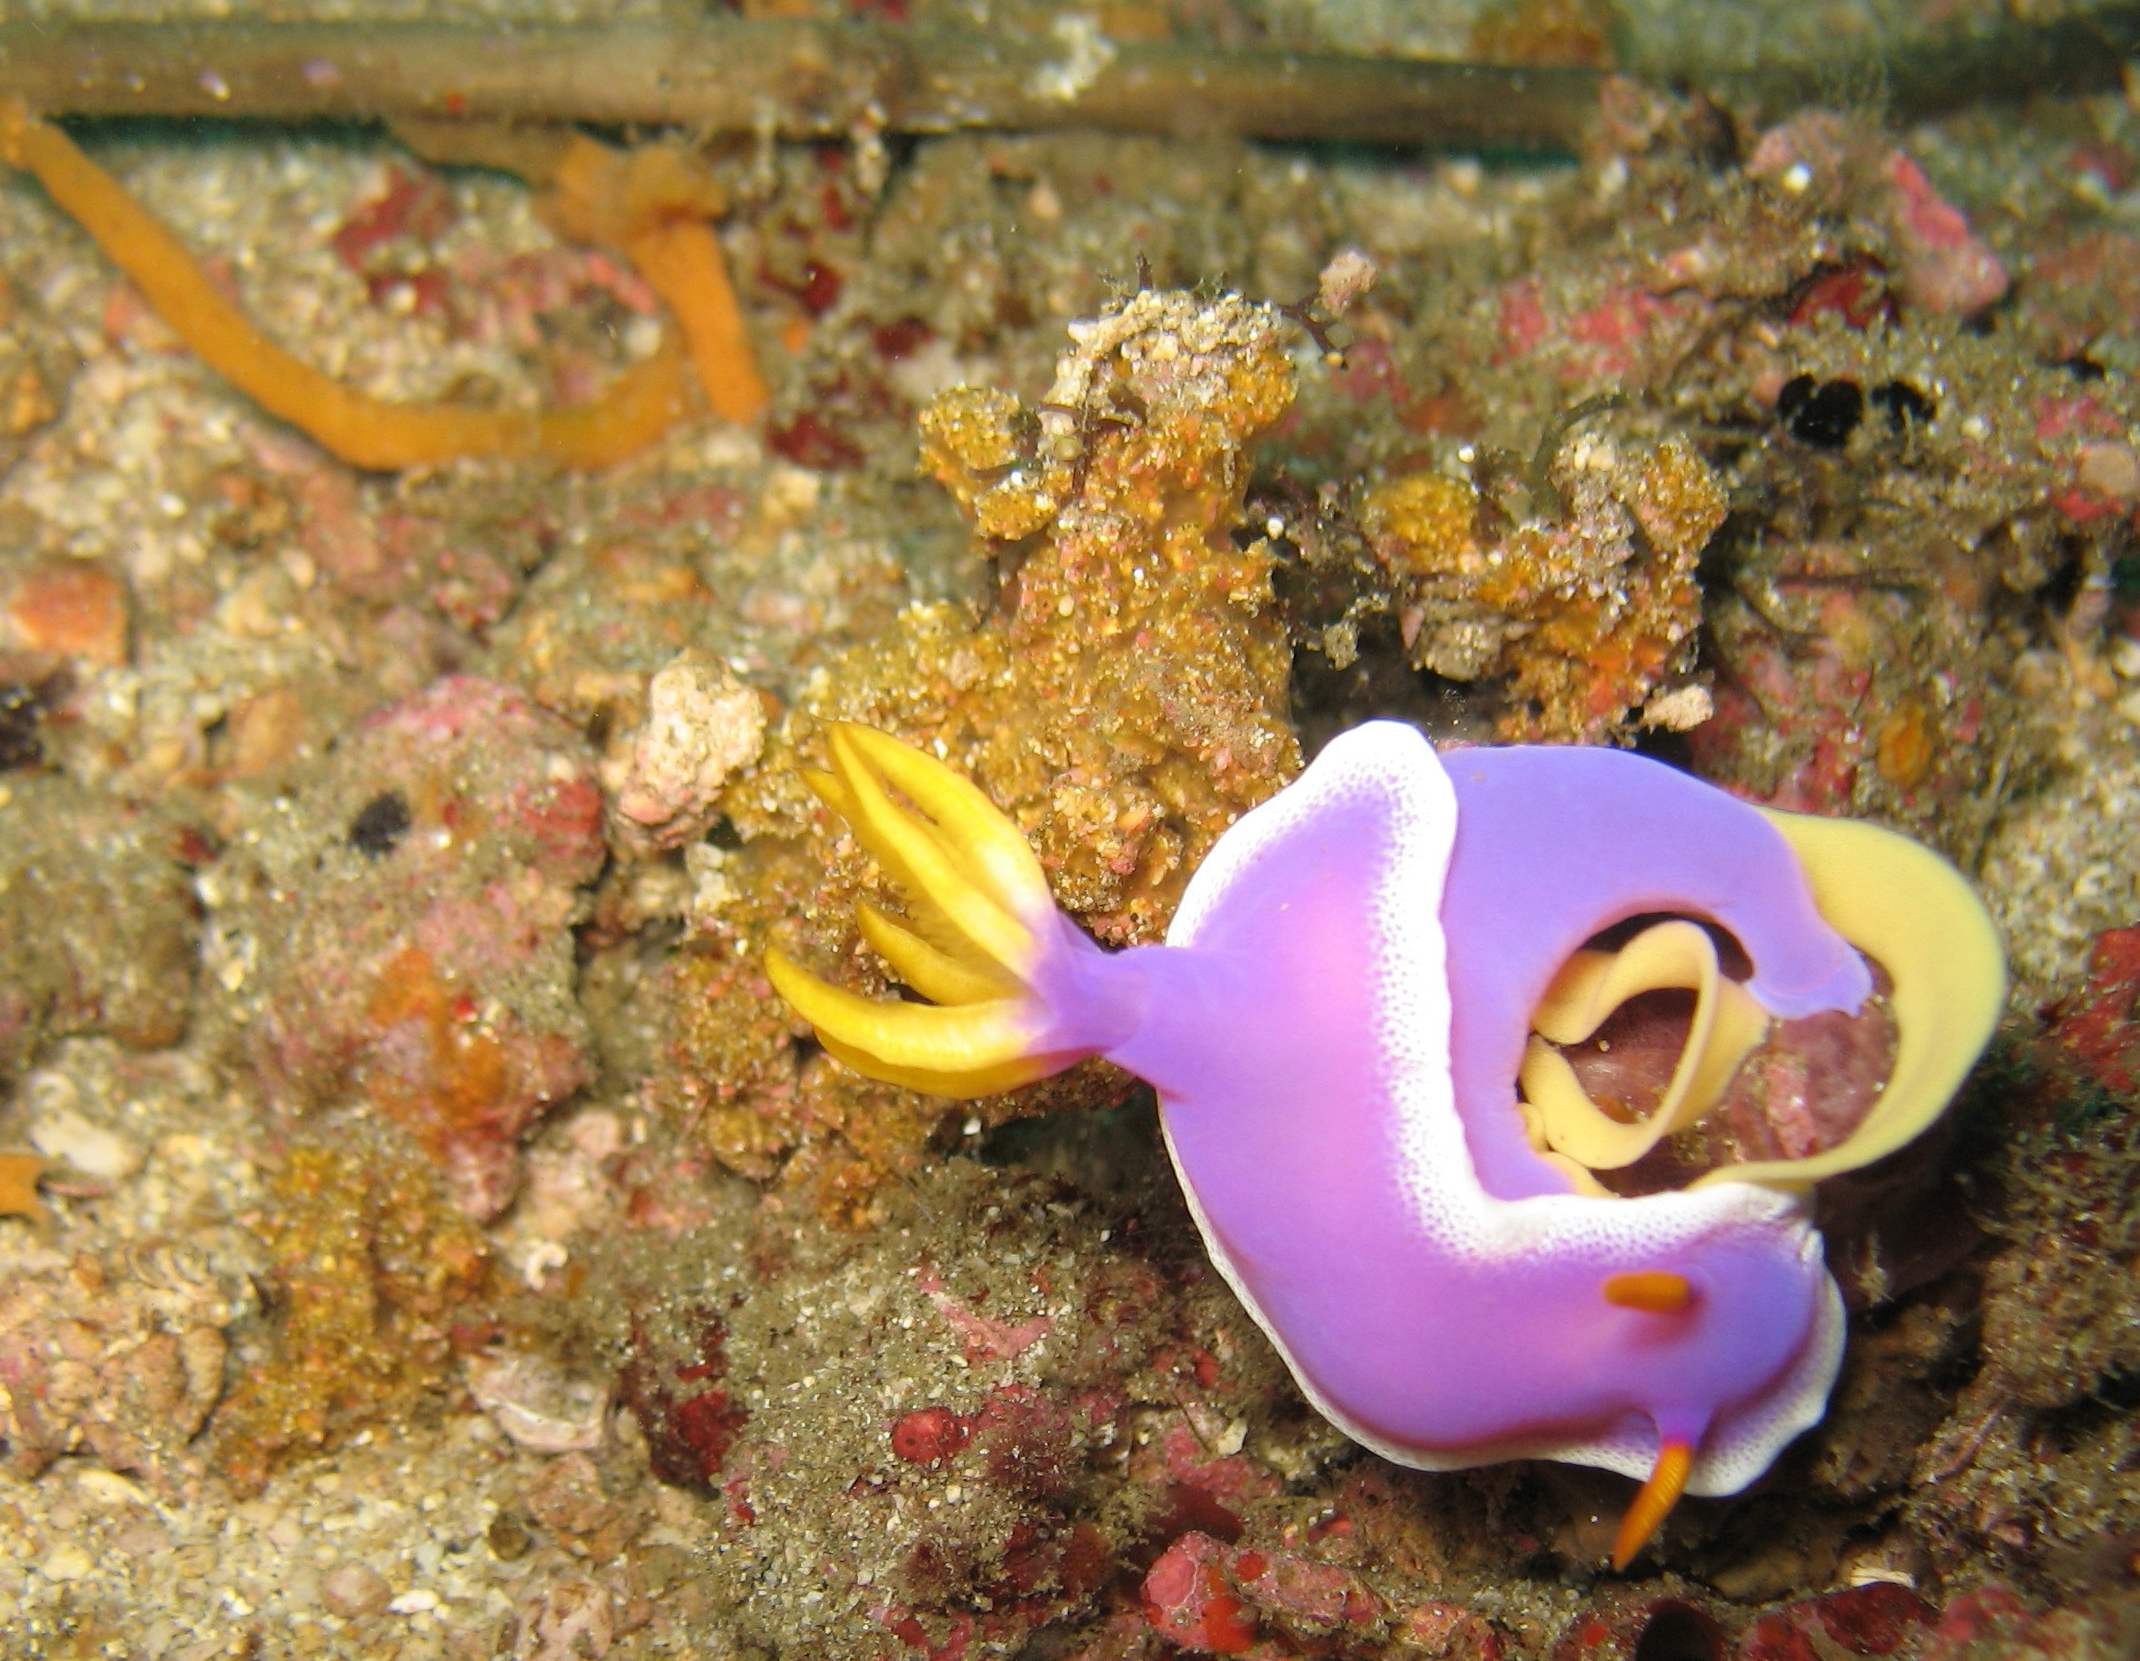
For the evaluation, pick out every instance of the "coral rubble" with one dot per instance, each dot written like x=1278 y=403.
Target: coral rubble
x=1125 y=698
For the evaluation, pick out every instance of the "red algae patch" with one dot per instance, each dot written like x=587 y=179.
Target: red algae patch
x=929 y=1435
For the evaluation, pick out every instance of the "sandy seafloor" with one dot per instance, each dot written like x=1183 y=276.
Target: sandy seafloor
x=448 y=1247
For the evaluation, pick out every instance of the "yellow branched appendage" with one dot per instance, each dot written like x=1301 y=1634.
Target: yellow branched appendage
x=977 y=915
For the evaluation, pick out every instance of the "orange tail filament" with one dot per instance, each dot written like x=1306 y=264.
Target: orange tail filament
x=1668 y=1478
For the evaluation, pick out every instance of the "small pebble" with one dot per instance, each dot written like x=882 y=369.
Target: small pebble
x=66 y=1561
x=72 y=607
x=2111 y=470
x=354 y=1589
x=509 y=1537
x=67 y=1138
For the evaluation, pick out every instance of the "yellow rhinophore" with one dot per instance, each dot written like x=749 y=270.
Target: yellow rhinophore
x=977 y=912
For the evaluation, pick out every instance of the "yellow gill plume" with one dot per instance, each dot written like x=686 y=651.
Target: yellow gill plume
x=977 y=903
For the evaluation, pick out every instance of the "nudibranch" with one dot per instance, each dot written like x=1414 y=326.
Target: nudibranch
x=1355 y=982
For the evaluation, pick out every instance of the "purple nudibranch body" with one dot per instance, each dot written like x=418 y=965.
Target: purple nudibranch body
x=1338 y=972
x=1334 y=1027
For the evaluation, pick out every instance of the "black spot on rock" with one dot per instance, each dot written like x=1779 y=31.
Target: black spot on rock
x=1905 y=405
x=20 y=709
x=379 y=824
x=1820 y=413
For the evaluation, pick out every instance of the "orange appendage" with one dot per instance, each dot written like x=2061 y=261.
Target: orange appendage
x=1660 y=1291
x=681 y=262
x=449 y=1085
x=18 y=1187
x=1653 y=1502
x=640 y=405
x=655 y=203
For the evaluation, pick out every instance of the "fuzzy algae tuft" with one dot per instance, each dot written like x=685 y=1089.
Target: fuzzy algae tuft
x=1129 y=698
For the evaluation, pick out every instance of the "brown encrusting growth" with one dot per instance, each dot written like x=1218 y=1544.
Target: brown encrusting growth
x=1124 y=698
x=1589 y=613
x=367 y=1265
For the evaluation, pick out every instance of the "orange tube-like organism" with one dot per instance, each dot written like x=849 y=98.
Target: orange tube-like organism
x=640 y=405
x=654 y=203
